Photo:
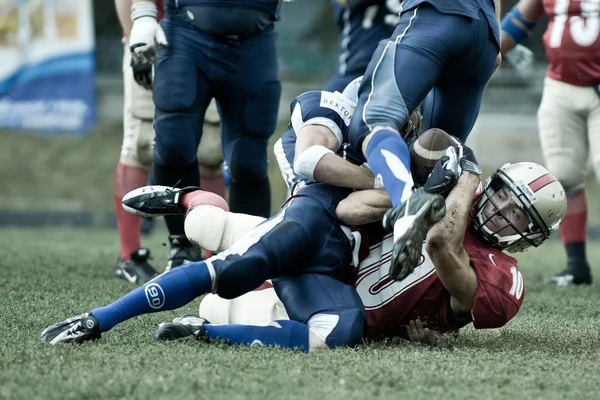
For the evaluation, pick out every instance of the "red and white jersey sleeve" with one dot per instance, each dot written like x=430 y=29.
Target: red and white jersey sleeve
x=572 y=41
x=500 y=289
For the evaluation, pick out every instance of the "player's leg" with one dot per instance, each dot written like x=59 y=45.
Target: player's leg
x=453 y=104
x=181 y=95
x=132 y=172
x=280 y=246
x=564 y=141
x=248 y=95
x=210 y=155
x=324 y=313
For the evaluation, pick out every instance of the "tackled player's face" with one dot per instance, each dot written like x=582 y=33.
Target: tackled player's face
x=511 y=217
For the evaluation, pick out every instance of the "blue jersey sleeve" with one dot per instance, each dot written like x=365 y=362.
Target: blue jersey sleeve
x=332 y=110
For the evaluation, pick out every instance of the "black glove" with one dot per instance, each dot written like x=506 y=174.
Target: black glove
x=445 y=173
x=142 y=73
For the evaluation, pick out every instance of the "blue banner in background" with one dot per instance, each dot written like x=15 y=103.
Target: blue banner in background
x=47 y=68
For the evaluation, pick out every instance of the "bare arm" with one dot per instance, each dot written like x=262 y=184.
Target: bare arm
x=123 y=11
x=330 y=169
x=531 y=10
x=445 y=245
x=363 y=207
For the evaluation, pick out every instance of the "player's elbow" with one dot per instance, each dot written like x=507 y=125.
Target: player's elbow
x=437 y=245
x=348 y=212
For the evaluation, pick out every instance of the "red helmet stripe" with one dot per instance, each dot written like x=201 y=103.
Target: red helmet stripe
x=542 y=181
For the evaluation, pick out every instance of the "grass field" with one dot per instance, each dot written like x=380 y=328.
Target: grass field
x=550 y=351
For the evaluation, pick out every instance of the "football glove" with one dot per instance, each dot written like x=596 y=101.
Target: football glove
x=520 y=58
x=145 y=33
x=445 y=173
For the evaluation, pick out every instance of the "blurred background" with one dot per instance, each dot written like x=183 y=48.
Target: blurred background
x=58 y=156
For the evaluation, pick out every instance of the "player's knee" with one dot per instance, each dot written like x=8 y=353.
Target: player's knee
x=176 y=149
x=571 y=175
x=144 y=143
x=345 y=328
x=248 y=162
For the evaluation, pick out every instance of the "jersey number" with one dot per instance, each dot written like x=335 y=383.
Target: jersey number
x=584 y=29
x=517 y=285
x=391 y=18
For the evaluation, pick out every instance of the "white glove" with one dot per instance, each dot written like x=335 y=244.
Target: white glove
x=520 y=58
x=145 y=32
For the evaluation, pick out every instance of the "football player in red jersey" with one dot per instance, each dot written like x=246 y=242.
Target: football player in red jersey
x=464 y=275
x=569 y=114
x=136 y=154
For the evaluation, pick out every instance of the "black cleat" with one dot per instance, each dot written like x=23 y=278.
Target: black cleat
x=426 y=209
x=78 y=329
x=137 y=269
x=150 y=201
x=188 y=326
x=182 y=252
x=572 y=275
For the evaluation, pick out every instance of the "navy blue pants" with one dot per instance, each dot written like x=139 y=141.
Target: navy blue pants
x=308 y=256
x=449 y=57
x=241 y=74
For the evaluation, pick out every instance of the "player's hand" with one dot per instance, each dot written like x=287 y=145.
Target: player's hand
x=445 y=173
x=419 y=333
x=520 y=58
x=145 y=34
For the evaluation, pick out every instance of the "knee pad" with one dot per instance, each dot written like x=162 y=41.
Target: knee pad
x=215 y=229
x=569 y=168
x=257 y=307
x=344 y=328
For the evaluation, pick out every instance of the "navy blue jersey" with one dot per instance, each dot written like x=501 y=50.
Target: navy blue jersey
x=468 y=8
x=361 y=29
x=332 y=110
x=267 y=6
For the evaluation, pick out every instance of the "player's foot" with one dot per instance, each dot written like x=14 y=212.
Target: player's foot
x=410 y=222
x=137 y=269
x=149 y=201
x=182 y=252
x=572 y=275
x=188 y=326
x=74 y=330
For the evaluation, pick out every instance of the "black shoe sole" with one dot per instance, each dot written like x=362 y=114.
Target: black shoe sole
x=174 y=331
x=408 y=248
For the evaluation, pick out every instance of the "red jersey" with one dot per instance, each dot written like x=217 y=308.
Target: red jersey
x=161 y=9
x=572 y=41
x=390 y=305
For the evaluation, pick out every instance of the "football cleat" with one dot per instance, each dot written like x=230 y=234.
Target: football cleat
x=572 y=275
x=137 y=269
x=188 y=326
x=78 y=329
x=182 y=252
x=410 y=222
x=149 y=201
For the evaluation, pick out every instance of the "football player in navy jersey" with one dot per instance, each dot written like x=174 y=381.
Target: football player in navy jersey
x=363 y=24
x=444 y=50
x=204 y=49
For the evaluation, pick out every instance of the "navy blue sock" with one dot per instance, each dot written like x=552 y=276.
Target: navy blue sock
x=389 y=159
x=284 y=333
x=168 y=291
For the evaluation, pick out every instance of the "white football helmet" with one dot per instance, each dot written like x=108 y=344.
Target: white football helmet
x=536 y=191
x=351 y=90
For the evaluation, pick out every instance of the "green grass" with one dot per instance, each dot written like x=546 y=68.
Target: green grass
x=550 y=351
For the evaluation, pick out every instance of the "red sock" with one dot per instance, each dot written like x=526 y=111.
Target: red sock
x=200 y=197
x=215 y=184
x=128 y=178
x=573 y=227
